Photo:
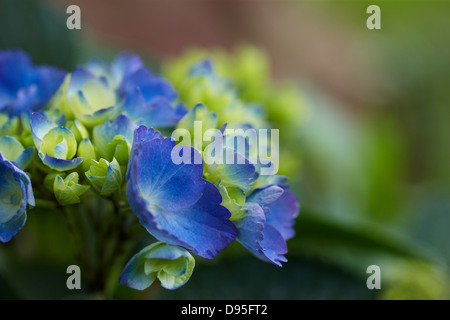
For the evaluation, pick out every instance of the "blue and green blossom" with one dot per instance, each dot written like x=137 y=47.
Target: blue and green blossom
x=103 y=131
x=172 y=265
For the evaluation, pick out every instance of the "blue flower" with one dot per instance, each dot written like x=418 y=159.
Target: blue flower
x=268 y=224
x=56 y=145
x=172 y=201
x=151 y=85
x=23 y=86
x=123 y=66
x=148 y=98
x=114 y=140
x=157 y=112
x=89 y=98
x=16 y=195
x=172 y=265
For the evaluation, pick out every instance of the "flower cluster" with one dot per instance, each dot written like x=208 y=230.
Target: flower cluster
x=105 y=130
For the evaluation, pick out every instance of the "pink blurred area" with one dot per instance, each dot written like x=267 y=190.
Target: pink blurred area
x=303 y=39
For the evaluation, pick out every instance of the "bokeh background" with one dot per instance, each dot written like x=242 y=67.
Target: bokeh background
x=368 y=143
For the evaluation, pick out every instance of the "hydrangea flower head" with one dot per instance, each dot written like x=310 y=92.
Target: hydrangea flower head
x=56 y=145
x=111 y=133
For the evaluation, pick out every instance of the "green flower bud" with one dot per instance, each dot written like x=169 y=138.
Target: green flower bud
x=60 y=143
x=172 y=265
x=233 y=200
x=201 y=117
x=78 y=130
x=49 y=179
x=87 y=151
x=106 y=175
x=118 y=149
x=68 y=191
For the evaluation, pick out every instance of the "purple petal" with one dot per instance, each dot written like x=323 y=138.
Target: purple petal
x=259 y=237
x=265 y=196
x=282 y=213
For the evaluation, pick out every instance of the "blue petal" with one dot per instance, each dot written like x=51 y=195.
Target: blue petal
x=48 y=81
x=12 y=191
x=259 y=237
x=265 y=196
x=60 y=164
x=133 y=274
x=40 y=126
x=250 y=228
x=158 y=113
x=24 y=160
x=10 y=229
x=124 y=65
x=21 y=176
x=24 y=87
x=15 y=70
x=27 y=189
x=17 y=184
x=172 y=201
x=203 y=68
x=141 y=135
x=97 y=67
x=80 y=76
x=161 y=182
x=105 y=133
x=274 y=246
x=282 y=213
x=203 y=228
x=151 y=86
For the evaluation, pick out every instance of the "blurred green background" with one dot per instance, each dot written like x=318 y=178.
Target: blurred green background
x=367 y=155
